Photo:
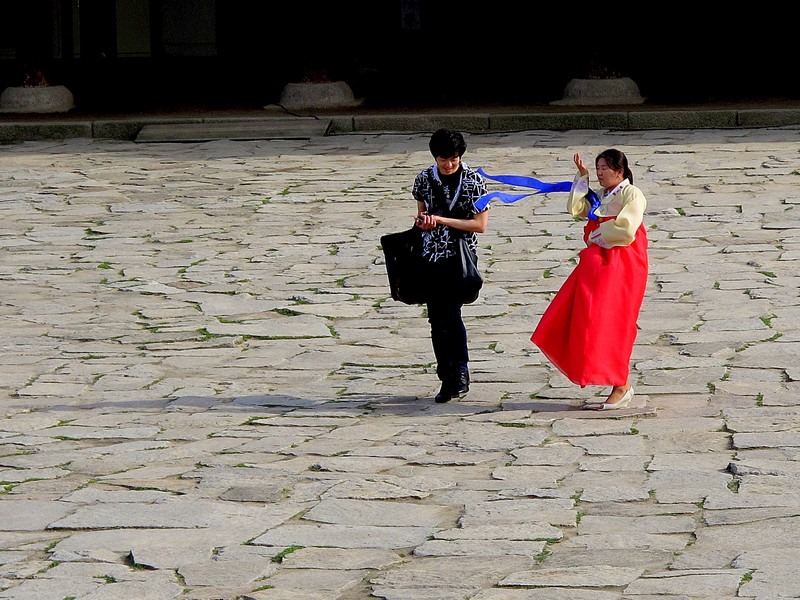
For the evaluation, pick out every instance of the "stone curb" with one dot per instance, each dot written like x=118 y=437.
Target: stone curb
x=127 y=128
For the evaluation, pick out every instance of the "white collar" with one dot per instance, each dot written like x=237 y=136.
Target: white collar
x=617 y=189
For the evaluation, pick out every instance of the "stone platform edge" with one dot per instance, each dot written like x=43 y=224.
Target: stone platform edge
x=127 y=128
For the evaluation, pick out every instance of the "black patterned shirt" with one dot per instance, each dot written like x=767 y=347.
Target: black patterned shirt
x=429 y=189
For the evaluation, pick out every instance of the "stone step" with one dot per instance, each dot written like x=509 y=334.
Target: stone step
x=263 y=129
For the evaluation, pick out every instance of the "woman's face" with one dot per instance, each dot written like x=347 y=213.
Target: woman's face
x=448 y=166
x=608 y=177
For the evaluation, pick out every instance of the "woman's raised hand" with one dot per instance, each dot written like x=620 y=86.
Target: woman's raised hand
x=579 y=163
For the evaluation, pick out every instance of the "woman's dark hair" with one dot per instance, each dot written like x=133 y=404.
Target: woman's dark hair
x=616 y=160
x=446 y=143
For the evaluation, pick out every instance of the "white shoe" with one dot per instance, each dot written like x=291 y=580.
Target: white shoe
x=621 y=403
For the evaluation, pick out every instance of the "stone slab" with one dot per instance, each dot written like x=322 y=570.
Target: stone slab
x=267 y=129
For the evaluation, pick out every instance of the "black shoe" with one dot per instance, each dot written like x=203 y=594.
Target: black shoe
x=444 y=394
x=452 y=389
x=461 y=383
x=461 y=390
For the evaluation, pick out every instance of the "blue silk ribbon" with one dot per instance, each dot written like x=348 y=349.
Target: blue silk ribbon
x=594 y=202
x=529 y=182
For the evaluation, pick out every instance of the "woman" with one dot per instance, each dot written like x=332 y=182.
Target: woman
x=446 y=193
x=589 y=329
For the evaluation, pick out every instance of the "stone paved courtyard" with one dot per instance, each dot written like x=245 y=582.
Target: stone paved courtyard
x=208 y=393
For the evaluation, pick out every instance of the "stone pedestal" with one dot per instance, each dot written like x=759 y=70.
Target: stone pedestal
x=304 y=96
x=42 y=99
x=619 y=90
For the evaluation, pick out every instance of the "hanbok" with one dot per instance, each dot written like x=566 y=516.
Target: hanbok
x=589 y=328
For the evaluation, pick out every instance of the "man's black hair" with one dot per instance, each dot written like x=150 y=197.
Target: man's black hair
x=446 y=143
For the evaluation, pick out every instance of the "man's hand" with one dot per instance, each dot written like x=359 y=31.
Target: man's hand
x=425 y=221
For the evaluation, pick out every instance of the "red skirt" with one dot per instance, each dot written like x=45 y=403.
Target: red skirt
x=589 y=328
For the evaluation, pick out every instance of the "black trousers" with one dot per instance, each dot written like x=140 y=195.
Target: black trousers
x=448 y=334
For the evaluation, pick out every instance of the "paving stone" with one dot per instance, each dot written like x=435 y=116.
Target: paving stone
x=34 y=589
x=611 y=445
x=157 y=549
x=376 y=512
x=552 y=455
x=685 y=485
x=702 y=583
x=608 y=544
x=595 y=486
x=649 y=524
x=171 y=513
x=336 y=536
x=485 y=548
x=545 y=594
x=340 y=558
x=447 y=576
x=599 y=576
x=530 y=531
x=31 y=515
x=774 y=572
x=232 y=568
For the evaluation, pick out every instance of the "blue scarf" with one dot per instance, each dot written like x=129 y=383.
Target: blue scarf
x=530 y=183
